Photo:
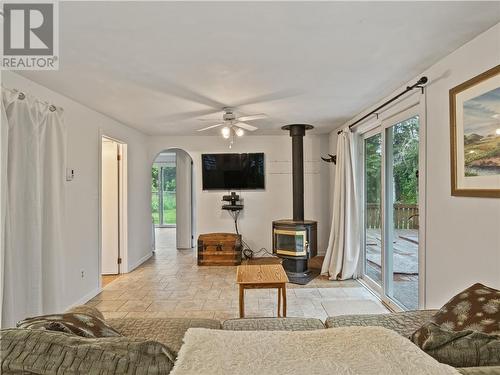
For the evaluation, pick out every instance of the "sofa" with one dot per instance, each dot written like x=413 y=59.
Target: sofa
x=170 y=333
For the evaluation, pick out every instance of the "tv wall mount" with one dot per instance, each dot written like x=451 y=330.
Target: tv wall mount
x=234 y=207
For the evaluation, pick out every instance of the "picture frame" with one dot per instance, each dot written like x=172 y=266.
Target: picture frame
x=475 y=136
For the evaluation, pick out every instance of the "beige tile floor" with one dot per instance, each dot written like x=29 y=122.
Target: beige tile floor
x=170 y=284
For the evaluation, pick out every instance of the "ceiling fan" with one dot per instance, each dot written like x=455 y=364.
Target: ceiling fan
x=234 y=126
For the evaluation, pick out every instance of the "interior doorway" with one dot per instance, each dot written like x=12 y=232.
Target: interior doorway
x=113 y=212
x=172 y=200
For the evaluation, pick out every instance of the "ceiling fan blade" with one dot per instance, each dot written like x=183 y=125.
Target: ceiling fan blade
x=282 y=94
x=210 y=127
x=246 y=126
x=169 y=87
x=184 y=115
x=252 y=117
x=162 y=85
x=209 y=119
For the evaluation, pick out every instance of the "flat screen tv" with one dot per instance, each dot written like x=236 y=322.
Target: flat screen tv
x=233 y=171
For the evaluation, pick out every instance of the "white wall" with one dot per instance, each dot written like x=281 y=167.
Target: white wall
x=82 y=194
x=261 y=207
x=463 y=234
x=184 y=200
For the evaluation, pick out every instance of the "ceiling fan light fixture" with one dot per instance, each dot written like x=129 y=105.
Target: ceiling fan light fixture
x=226 y=132
x=240 y=132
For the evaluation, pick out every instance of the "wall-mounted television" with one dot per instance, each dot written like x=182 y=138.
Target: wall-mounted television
x=233 y=171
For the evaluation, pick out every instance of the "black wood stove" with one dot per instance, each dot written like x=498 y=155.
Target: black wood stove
x=295 y=240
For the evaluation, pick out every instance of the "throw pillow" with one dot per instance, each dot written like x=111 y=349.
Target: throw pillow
x=24 y=351
x=466 y=330
x=74 y=323
x=462 y=348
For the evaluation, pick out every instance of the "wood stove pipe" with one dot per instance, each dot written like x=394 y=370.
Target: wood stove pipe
x=297 y=132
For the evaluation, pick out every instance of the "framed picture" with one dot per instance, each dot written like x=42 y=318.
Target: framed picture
x=475 y=136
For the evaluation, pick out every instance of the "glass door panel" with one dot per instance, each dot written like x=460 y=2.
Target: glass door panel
x=155 y=197
x=373 y=209
x=169 y=199
x=163 y=192
x=401 y=213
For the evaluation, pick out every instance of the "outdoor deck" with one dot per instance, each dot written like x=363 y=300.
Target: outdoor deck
x=405 y=264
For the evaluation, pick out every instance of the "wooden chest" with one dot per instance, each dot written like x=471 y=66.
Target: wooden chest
x=219 y=249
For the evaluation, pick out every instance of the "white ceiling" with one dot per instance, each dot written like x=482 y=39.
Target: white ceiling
x=150 y=64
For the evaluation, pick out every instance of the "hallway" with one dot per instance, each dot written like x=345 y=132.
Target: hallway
x=165 y=239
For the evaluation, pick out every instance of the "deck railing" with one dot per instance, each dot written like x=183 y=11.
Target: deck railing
x=405 y=216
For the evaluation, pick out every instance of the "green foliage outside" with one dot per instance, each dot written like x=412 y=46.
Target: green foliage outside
x=405 y=163
x=169 y=209
x=373 y=163
x=405 y=156
x=169 y=199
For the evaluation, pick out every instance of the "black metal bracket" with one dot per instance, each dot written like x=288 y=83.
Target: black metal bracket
x=420 y=84
x=331 y=159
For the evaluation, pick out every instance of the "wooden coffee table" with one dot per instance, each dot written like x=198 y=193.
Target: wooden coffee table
x=262 y=276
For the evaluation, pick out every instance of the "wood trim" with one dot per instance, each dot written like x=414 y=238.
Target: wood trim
x=455 y=191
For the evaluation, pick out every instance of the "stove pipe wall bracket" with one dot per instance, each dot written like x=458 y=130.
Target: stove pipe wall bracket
x=297 y=132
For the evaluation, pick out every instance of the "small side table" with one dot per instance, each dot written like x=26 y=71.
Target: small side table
x=263 y=276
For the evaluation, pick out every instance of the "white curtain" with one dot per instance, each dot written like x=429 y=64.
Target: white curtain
x=33 y=169
x=342 y=254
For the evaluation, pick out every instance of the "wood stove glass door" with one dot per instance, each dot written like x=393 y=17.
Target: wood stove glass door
x=290 y=242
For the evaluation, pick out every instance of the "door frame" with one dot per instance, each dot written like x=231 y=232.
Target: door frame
x=122 y=205
x=413 y=106
x=192 y=195
x=374 y=129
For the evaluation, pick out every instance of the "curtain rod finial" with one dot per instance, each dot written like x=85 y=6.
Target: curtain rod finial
x=422 y=81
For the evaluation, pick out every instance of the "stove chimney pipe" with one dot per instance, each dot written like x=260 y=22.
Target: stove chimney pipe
x=297 y=132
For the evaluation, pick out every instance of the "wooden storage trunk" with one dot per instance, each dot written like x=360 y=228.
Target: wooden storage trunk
x=219 y=249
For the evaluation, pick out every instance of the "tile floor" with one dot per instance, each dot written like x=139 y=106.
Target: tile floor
x=170 y=284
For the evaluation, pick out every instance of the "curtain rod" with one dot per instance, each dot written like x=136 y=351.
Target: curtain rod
x=21 y=96
x=422 y=81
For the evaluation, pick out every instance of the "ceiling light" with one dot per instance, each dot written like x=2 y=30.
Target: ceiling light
x=497 y=131
x=226 y=132
x=240 y=132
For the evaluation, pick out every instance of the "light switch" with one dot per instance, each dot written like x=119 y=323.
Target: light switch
x=70 y=174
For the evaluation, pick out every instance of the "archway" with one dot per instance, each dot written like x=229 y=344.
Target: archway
x=172 y=200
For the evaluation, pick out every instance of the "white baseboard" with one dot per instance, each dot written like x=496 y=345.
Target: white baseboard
x=84 y=299
x=139 y=262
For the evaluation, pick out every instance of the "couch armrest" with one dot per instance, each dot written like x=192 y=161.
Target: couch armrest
x=404 y=323
x=168 y=331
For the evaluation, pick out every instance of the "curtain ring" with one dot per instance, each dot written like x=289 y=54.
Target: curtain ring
x=21 y=96
x=52 y=108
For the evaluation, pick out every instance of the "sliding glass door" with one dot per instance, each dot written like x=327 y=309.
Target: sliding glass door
x=402 y=212
x=391 y=211
x=373 y=208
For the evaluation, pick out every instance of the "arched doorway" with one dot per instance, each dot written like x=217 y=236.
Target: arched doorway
x=172 y=200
